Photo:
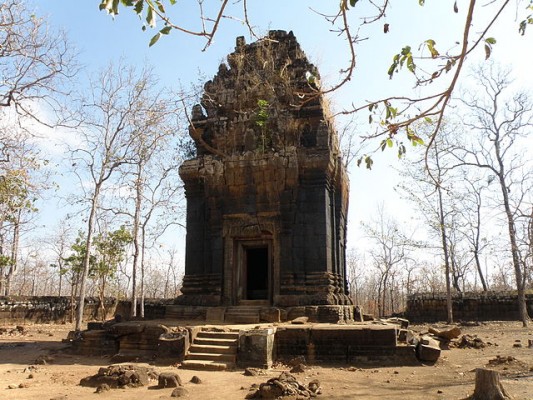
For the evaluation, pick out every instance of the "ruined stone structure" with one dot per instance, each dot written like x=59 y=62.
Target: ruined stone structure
x=267 y=193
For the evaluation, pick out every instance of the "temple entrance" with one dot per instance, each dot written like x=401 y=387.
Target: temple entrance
x=257 y=273
x=254 y=272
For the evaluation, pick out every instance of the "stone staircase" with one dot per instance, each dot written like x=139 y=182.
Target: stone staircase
x=242 y=315
x=247 y=312
x=212 y=351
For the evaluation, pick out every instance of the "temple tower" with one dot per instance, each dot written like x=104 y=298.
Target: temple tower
x=267 y=193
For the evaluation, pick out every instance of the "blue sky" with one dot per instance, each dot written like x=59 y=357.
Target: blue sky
x=179 y=59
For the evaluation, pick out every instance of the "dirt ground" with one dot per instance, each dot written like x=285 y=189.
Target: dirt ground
x=452 y=377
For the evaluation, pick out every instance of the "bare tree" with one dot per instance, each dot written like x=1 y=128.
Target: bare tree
x=430 y=189
x=34 y=61
x=59 y=244
x=501 y=124
x=390 y=250
x=107 y=136
x=471 y=213
x=22 y=182
x=152 y=174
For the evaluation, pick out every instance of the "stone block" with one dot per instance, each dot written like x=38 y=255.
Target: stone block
x=168 y=380
x=270 y=315
x=428 y=349
x=215 y=314
x=256 y=348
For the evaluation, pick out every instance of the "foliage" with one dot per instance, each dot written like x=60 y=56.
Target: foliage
x=347 y=18
x=261 y=120
x=110 y=251
x=74 y=262
x=15 y=194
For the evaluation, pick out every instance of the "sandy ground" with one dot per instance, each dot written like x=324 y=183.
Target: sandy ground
x=452 y=377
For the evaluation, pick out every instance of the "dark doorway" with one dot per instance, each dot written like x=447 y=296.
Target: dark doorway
x=257 y=271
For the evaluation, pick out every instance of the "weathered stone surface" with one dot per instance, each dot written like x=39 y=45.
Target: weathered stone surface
x=256 y=348
x=215 y=314
x=428 y=349
x=104 y=387
x=270 y=315
x=300 y=320
x=298 y=369
x=285 y=385
x=179 y=392
x=168 y=379
x=473 y=342
x=174 y=344
x=335 y=343
x=446 y=334
x=121 y=375
x=486 y=306
x=253 y=371
x=267 y=185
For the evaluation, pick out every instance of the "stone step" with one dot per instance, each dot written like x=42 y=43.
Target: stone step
x=212 y=350
x=201 y=348
x=211 y=341
x=218 y=335
x=243 y=314
x=244 y=309
x=254 y=303
x=184 y=312
x=242 y=318
x=212 y=357
x=201 y=365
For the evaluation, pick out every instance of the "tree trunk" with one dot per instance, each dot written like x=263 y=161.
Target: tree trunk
x=480 y=272
x=444 y=240
x=488 y=386
x=143 y=246
x=14 y=254
x=87 y=259
x=60 y=282
x=449 y=302
x=519 y=274
x=136 y=244
x=103 y=312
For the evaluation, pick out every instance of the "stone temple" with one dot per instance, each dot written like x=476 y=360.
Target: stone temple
x=267 y=193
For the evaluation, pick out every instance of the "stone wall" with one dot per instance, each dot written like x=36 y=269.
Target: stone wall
x=50 y=309
x=338 y=343
x=490 y=306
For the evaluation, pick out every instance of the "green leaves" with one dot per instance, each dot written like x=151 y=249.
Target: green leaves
x=138 y=8
x=149 y=13
x=430 y=43
x=111 y=6
x=405 y=57
x=524 y=24
x=488 y=46
x=165 y=31
x=368 y=161
x=413 y=138
x=386 y=143
x=527 y=21
x=344 y=4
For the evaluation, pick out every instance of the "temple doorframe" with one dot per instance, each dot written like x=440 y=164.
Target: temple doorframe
x=241 y=270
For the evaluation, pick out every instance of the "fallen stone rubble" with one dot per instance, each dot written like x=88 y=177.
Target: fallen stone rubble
x=120 y=376
x=471 y=342
x=284 y=385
